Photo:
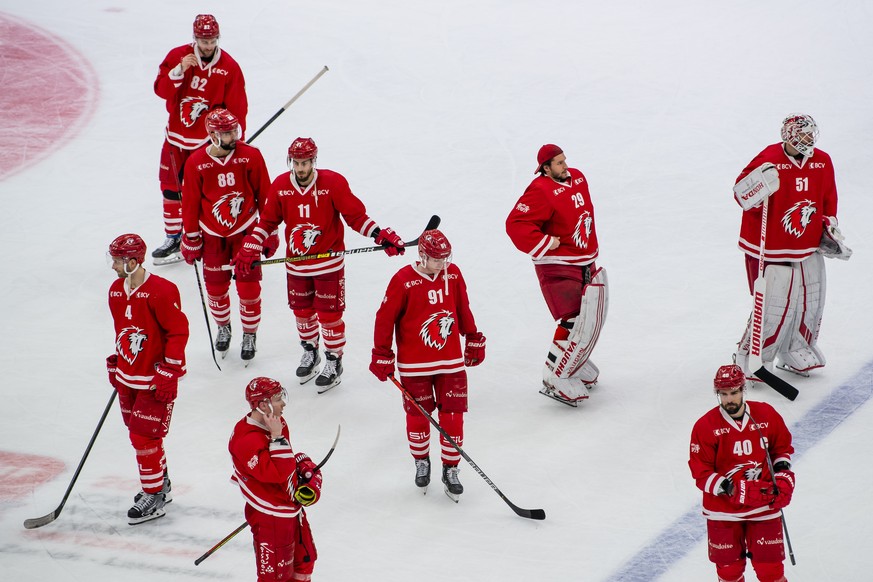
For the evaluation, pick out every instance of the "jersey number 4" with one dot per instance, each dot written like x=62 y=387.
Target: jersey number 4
x=128 y=313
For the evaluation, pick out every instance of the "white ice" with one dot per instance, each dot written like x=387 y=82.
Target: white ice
x=439 y=108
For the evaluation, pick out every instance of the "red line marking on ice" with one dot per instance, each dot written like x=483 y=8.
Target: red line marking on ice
x=21 y=473
x=49 y=92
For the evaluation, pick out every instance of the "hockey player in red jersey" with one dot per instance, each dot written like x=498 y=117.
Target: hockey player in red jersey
x=553 y=222
x=151 y=332
x=795 y=180
x=311 y=203
x=742 y=499
x=276 y=485
x=226 y=184
x=193 y=79
x=427 y=305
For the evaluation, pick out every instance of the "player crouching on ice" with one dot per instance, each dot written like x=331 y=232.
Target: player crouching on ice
x=794 y=183
x=553 y=222
x=426 y=304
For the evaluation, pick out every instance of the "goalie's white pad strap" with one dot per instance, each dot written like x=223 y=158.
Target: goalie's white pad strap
x=586 y=329
x=780 y=307
x=801 y=353
x=757 y=185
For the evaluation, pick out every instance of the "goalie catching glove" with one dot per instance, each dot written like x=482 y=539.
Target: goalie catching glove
x=832 y=245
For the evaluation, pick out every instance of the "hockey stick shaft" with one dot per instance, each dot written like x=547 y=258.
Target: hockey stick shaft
x=756 y=340
x=527 y=513
x=243 y=525
x=206 y=315
x=48 y=518
x=433 y=223
x=290 y=102
x=766 y=446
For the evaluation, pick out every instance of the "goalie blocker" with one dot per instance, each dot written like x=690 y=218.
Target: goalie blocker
x=568 y=370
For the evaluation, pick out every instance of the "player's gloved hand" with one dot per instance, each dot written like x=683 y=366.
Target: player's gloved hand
x=271 y=245
x=753 y=493
x=785 y=484
x=192 y=247
x=249 y=253
x=305 y=467
x=310 y=492
x=112 y=368
x=382 y=364
x=474 y=351
x=166 y=382
x=393 y=244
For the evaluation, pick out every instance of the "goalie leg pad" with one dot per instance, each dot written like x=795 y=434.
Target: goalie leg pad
x=802 y=354
x=586 y=328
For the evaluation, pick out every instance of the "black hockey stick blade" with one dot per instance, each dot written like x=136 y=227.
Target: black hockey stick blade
x=433 y=223
x=777 y=383
x=36 y=522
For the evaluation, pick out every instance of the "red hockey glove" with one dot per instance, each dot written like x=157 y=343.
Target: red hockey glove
x=249 y=253
x=192 y=248
x=382 y=365
x=393 y=244
x=753 y=493
x=112 y=368
x=309 y=491
x=785 y=484
x=271 y=245
x=474 y=352
x=305 y=467
x=166 y=382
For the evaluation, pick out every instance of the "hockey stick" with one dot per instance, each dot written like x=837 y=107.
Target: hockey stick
x=775 y=486
x=36 y=522
x=756 y=343
x=287 y=105
x=243 y=525
x=527 y=513
x=206 y=315
x=433 y=223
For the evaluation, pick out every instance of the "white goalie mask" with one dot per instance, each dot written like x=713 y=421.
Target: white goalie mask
x=800 y=132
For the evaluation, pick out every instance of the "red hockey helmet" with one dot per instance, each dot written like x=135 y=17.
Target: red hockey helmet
x=221 y=120
x=302 y=148
x=434 y=244
x=205 y=26
x=128 y=246
x=546 y=153
x=729 y=377
x=262 y=388
x=800 y=132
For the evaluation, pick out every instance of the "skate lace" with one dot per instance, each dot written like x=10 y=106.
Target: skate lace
x=452 y=476
x=224 y=334
x=146 y=502
x=248 y=341
x=422 y=467
x=330 y=367
x=169 y=242
x=308 y=358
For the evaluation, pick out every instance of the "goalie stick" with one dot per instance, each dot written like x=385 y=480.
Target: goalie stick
x=433 y=223
x=36 y=522
x=527 y=513
x=243 y=525
x=287 y=105
x=766 y=446
x=756 y=343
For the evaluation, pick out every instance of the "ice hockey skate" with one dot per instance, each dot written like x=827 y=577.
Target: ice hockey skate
x=787 y=368
x=453 y=487
x=222 y=342
x=169 y=252
x=422 y=474
x=166 y=491
x=549 y=390
x=309 y=362
x=332 y=373
x=148 y=507
x=249 y=347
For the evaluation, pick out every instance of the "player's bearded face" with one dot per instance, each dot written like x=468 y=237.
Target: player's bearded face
x=558 y=169
x=207 y=47
x=302 y=171
x=118 y=265
x=731 y=401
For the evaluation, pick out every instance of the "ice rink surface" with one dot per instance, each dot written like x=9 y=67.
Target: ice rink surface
x=437 y=108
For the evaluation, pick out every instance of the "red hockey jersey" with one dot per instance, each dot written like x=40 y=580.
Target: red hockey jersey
x=549 y=208
x=266 y=472
x=723 y=449
x=429 y=317
x=218 y=83
x=312 y=219
x=222 y=196
x=150 y=328
x=795 y=215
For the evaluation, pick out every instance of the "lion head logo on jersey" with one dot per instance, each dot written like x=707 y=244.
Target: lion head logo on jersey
x=582 y=232
x=797 y=218
x=436 y=329
x=750 y=471
x=191 y=108
x=302 y=238
x=129 y=343
x=228 y=208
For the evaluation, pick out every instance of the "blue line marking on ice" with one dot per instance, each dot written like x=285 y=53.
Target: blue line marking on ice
x=676 y=541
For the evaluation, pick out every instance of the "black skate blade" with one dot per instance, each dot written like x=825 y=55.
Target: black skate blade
x=158 y=513
x=323 y=389
x=546 y=392
x=788 y=368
